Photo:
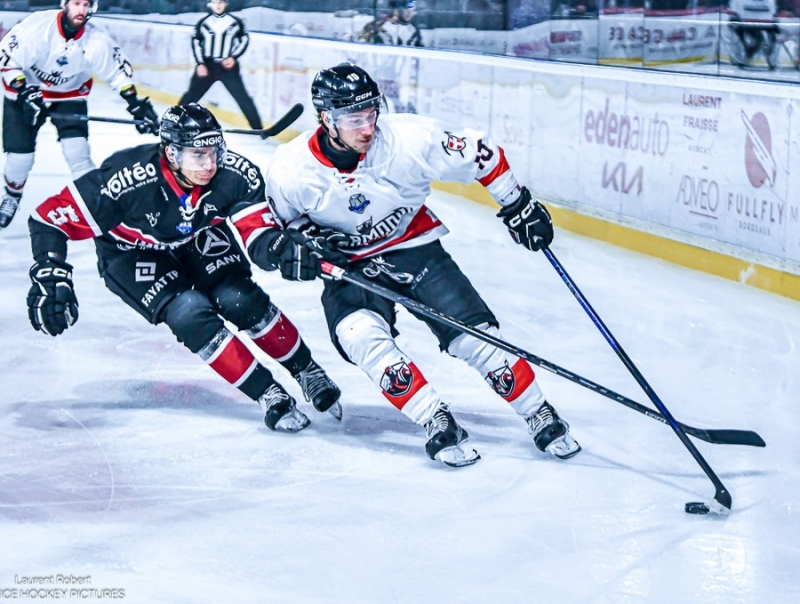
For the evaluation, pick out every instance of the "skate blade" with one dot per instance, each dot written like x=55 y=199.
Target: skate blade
x=336 y=411
x=564 y=450
x=293 y=421
x=456 y=457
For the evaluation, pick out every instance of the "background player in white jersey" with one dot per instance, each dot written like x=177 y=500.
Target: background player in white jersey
x=47 y=61
x=157 y=214
x=358 y=187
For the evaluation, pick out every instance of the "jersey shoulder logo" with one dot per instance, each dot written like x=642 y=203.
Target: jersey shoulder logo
x=454 y=144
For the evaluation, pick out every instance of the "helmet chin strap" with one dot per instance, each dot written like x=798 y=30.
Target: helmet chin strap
x=336 y=139
x=179 y=175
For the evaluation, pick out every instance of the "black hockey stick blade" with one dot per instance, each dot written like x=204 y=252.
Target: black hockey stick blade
x=282 y=124
x=717 y=437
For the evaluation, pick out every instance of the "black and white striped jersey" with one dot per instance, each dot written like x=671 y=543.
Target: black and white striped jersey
x=217 y=37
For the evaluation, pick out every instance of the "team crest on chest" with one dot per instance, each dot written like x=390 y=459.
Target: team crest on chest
x=454 y=144
x=358 y=203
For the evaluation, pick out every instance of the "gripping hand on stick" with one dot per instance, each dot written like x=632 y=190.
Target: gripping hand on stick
x=141 y=109
x=528 y=221
x=52 y=305
x=290 y=251
x=32 y=103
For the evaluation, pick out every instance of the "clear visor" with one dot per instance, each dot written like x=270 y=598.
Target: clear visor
x=356 y=121
x=198 y=159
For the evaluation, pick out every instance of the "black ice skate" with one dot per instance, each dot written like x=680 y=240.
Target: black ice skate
x=280 y=411
x=320 y=390
x=445 y=440
x=8 y=207
x=551 y=433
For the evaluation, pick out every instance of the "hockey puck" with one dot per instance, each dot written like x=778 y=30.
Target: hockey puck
x=697 y=507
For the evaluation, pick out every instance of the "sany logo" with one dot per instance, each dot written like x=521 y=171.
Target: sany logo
x=758 y=160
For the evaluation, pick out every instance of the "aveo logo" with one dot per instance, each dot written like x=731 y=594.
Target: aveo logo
x=128 y=178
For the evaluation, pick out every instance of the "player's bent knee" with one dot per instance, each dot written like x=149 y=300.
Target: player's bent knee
x=241 y=301
x=192 y=319
x=365 y=337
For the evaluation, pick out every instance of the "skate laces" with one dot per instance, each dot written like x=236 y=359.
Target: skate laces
x=313 y=380
x=439 y=422
x=9 y=205
x=273 y=396
x=543 y=417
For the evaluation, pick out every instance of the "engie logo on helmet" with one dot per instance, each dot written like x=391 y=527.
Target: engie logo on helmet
x=208 y=141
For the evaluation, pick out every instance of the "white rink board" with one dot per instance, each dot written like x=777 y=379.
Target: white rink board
x=699 y=156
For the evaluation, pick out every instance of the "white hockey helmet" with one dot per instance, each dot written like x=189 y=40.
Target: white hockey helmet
x=92 y=8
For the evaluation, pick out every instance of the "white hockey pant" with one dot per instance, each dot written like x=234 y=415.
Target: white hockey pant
x=366 y=339
x=509 y=376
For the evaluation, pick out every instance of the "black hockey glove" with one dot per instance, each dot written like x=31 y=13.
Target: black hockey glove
x=30 y=100
x=528 y=221
x=327 y=243
x=290 y=251
x=141 y=109
x=52 y=306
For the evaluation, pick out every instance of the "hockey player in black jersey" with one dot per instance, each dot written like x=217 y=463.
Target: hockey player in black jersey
x=157 y=214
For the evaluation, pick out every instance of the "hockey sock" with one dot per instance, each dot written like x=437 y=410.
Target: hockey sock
x=366 y=339
x=230 y=358
x=276 y=335
x=510 y=377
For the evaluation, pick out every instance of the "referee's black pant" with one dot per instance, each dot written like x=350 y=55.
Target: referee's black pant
x=232 y=80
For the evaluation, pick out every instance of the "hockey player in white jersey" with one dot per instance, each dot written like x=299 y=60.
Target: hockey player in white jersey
x=47 y=61
x=357 y=187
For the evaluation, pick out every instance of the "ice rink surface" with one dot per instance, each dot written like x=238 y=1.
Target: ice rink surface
x=123 y=458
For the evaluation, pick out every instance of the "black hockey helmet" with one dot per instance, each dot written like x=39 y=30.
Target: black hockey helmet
x=345 y=88
x=191 y=126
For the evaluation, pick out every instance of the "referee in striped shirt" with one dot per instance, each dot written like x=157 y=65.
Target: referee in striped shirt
x=219 y=40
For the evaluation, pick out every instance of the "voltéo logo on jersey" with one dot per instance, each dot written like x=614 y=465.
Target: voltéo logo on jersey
x=212 y=242
x=128 y=179
x=454 y=144
x=758 y=160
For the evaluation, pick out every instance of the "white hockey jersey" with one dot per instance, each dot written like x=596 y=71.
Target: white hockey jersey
x=63 y=69
x=381 y=204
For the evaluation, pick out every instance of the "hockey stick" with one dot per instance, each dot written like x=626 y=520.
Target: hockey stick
x=717 y=437
x=721 y=503
x=282 y=124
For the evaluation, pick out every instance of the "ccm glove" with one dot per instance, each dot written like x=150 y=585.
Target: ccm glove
x=528 y=221
x=292 y=252
x=141 y=109
x=327 y=243
x=52 y=306
x=32 y=103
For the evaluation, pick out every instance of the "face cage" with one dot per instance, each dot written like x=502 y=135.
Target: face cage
x=186 y=162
